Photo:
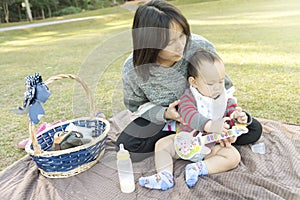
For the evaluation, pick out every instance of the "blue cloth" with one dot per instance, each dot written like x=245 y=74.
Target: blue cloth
x=42 y=93
x=36 y=112
x=35 y=94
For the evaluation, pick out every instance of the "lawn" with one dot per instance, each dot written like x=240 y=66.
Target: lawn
x=258 y=41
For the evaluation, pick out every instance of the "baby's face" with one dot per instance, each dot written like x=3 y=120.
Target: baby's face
x=210 y=81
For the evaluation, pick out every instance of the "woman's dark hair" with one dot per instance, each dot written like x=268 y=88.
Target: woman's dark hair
x=150 y=30
x=197 y=59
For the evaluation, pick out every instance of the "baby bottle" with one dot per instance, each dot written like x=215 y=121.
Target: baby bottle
x=125 y=171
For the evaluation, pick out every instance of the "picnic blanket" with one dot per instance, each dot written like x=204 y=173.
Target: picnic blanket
x=274 y=175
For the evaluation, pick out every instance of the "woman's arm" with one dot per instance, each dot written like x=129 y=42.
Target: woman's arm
x=135 y=99
x=133 y=95
x=200 y=41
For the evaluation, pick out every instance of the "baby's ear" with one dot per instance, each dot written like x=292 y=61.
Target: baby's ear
x=191 y=81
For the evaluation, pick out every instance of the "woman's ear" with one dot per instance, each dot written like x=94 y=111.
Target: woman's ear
x=192 y=81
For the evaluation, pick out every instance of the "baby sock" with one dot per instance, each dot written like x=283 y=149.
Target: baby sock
x=163 y=180
x=192 y=171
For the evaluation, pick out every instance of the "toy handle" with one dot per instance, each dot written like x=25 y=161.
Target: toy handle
x=234 y=131
x=187 y=146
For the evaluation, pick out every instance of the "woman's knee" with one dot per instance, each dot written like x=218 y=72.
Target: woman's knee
x=254 y=134
x=257 y=130
x=131 y=143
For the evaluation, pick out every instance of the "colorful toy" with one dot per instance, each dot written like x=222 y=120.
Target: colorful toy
x=188 y=147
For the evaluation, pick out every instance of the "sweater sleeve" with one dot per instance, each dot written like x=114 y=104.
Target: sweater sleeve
x=200 y=41
x=155 y=114
x=189 y=113
x=134 y=96
x=229 y=85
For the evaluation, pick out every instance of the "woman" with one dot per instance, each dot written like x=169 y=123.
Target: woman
x=155 y=75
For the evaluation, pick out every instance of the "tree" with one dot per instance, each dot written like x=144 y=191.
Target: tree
x=29 y=15
x=17 y=10
x=43 y=8
x=5 y=10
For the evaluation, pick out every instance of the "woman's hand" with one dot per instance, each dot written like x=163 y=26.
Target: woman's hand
x=171 y=112
x=239 y=115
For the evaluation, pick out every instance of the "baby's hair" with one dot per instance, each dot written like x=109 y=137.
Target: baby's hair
x=197 y=59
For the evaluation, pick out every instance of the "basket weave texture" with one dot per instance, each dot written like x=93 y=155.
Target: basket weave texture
x=72 y=161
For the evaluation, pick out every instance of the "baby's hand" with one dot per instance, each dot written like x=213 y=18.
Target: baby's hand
x=239 y=115
x=217 y=126
x=226 y=126
x=227 y=142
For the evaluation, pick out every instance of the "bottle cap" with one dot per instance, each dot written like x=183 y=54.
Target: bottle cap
x=122 y=154
x=259 y=148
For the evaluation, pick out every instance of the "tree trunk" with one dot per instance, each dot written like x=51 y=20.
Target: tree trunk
x=29 y=15
x=20 y=14
x=43 y=13
x=49 y=11
x=6 y=12
x=76 y=3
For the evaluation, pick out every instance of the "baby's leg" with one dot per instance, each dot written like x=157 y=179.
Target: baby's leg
x=221 y=159
x=164 y=154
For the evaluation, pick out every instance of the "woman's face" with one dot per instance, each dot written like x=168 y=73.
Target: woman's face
x=174 y=50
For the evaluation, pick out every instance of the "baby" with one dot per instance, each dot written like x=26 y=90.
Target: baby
x=206 y=107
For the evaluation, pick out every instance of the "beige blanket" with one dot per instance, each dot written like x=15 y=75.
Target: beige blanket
x=274 y=175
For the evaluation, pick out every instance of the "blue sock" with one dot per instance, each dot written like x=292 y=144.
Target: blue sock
x=193 y=171
x=163 y=180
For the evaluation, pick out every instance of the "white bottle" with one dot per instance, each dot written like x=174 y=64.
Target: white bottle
x=125 y=171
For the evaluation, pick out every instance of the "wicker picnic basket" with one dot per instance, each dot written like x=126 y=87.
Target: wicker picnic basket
x=72 y=161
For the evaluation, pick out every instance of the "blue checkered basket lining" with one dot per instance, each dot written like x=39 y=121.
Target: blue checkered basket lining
x=69 y=159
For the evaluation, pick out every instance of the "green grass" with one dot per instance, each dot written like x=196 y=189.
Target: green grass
x=258 y=41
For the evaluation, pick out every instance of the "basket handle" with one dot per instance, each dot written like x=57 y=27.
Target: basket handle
x=36 y=147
